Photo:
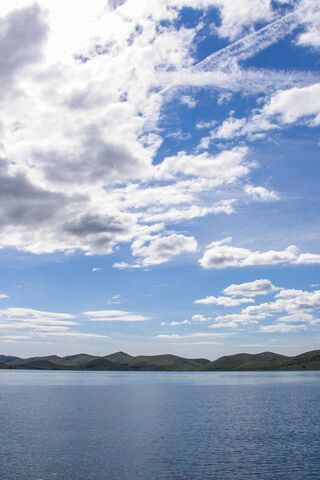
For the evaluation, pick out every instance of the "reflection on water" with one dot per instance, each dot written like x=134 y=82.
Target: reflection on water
x=159 y=426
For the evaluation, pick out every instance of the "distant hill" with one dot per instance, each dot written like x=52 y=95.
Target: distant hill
x=115 y=361
x=102 y=364
x=121 y=361
x=120 y=357
x=266 y=361
x=157 y=362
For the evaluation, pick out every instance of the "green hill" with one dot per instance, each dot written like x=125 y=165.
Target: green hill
x=266 y=361
x=121 y=361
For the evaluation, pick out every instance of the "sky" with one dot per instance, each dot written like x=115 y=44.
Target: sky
x=159 y=177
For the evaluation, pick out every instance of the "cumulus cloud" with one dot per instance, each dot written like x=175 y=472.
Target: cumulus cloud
x=158 y=249
x=22 y=36
x=290 y=310
x=81 y=106
x=261 y=193
x=295 y=104
x=286 y=107
x=308 y=259
x=86 y=119
x=310 y=19
x=176 y=324
x=223 y=301
x=221 y=255
x=226 y=167
x=237 y=319
x=199 y=318
x=251 y=289
x=176 y=215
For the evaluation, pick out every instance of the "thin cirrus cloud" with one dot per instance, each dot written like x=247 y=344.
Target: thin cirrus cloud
x=19 y=312
x=37 y=323
x=282 y=328
x=192 y=335
x=114 y=316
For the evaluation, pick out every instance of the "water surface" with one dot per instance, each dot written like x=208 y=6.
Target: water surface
x=159 y=426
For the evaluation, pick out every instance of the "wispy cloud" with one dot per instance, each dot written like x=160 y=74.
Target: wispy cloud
x=114 y=316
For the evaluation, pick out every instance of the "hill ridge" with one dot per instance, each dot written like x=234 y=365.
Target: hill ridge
x=122 y=361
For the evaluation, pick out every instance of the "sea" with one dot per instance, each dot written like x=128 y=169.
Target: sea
x=58 y=425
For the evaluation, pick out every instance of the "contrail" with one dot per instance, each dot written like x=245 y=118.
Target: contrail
x=227 y=60
x=228 y=57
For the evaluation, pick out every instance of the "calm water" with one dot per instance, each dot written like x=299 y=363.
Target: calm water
x=145 y=426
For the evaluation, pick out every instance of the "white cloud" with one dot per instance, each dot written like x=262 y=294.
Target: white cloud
x=286 y=107
x=3 y=296
x=282 y=328
x=310 y=18
x=302 y=316
x=114 y=316
x=224 y=325
x=308 y=259
x=290 y=309
x=223 y=301
x=125 y=266
x=261 y=193
x=228 y=57
x=199 y=318
x=251 y=289
x=236 y=16
x=18 y=313
x=189 y=101
x=219 y=255
x=226 y=167
x=176 y=324
x=35 y=322
x=192 y=335
x=229 y=128
x=96 y=269
x=14 y=338
x=115 y=300
x=289 y=306
x=238 y=318
x=72 y=335
x=155 y=250
x=296 y=104
x=81 y=105
x=175 y=215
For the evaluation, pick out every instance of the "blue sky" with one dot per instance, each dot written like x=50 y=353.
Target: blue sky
x=159 y=170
